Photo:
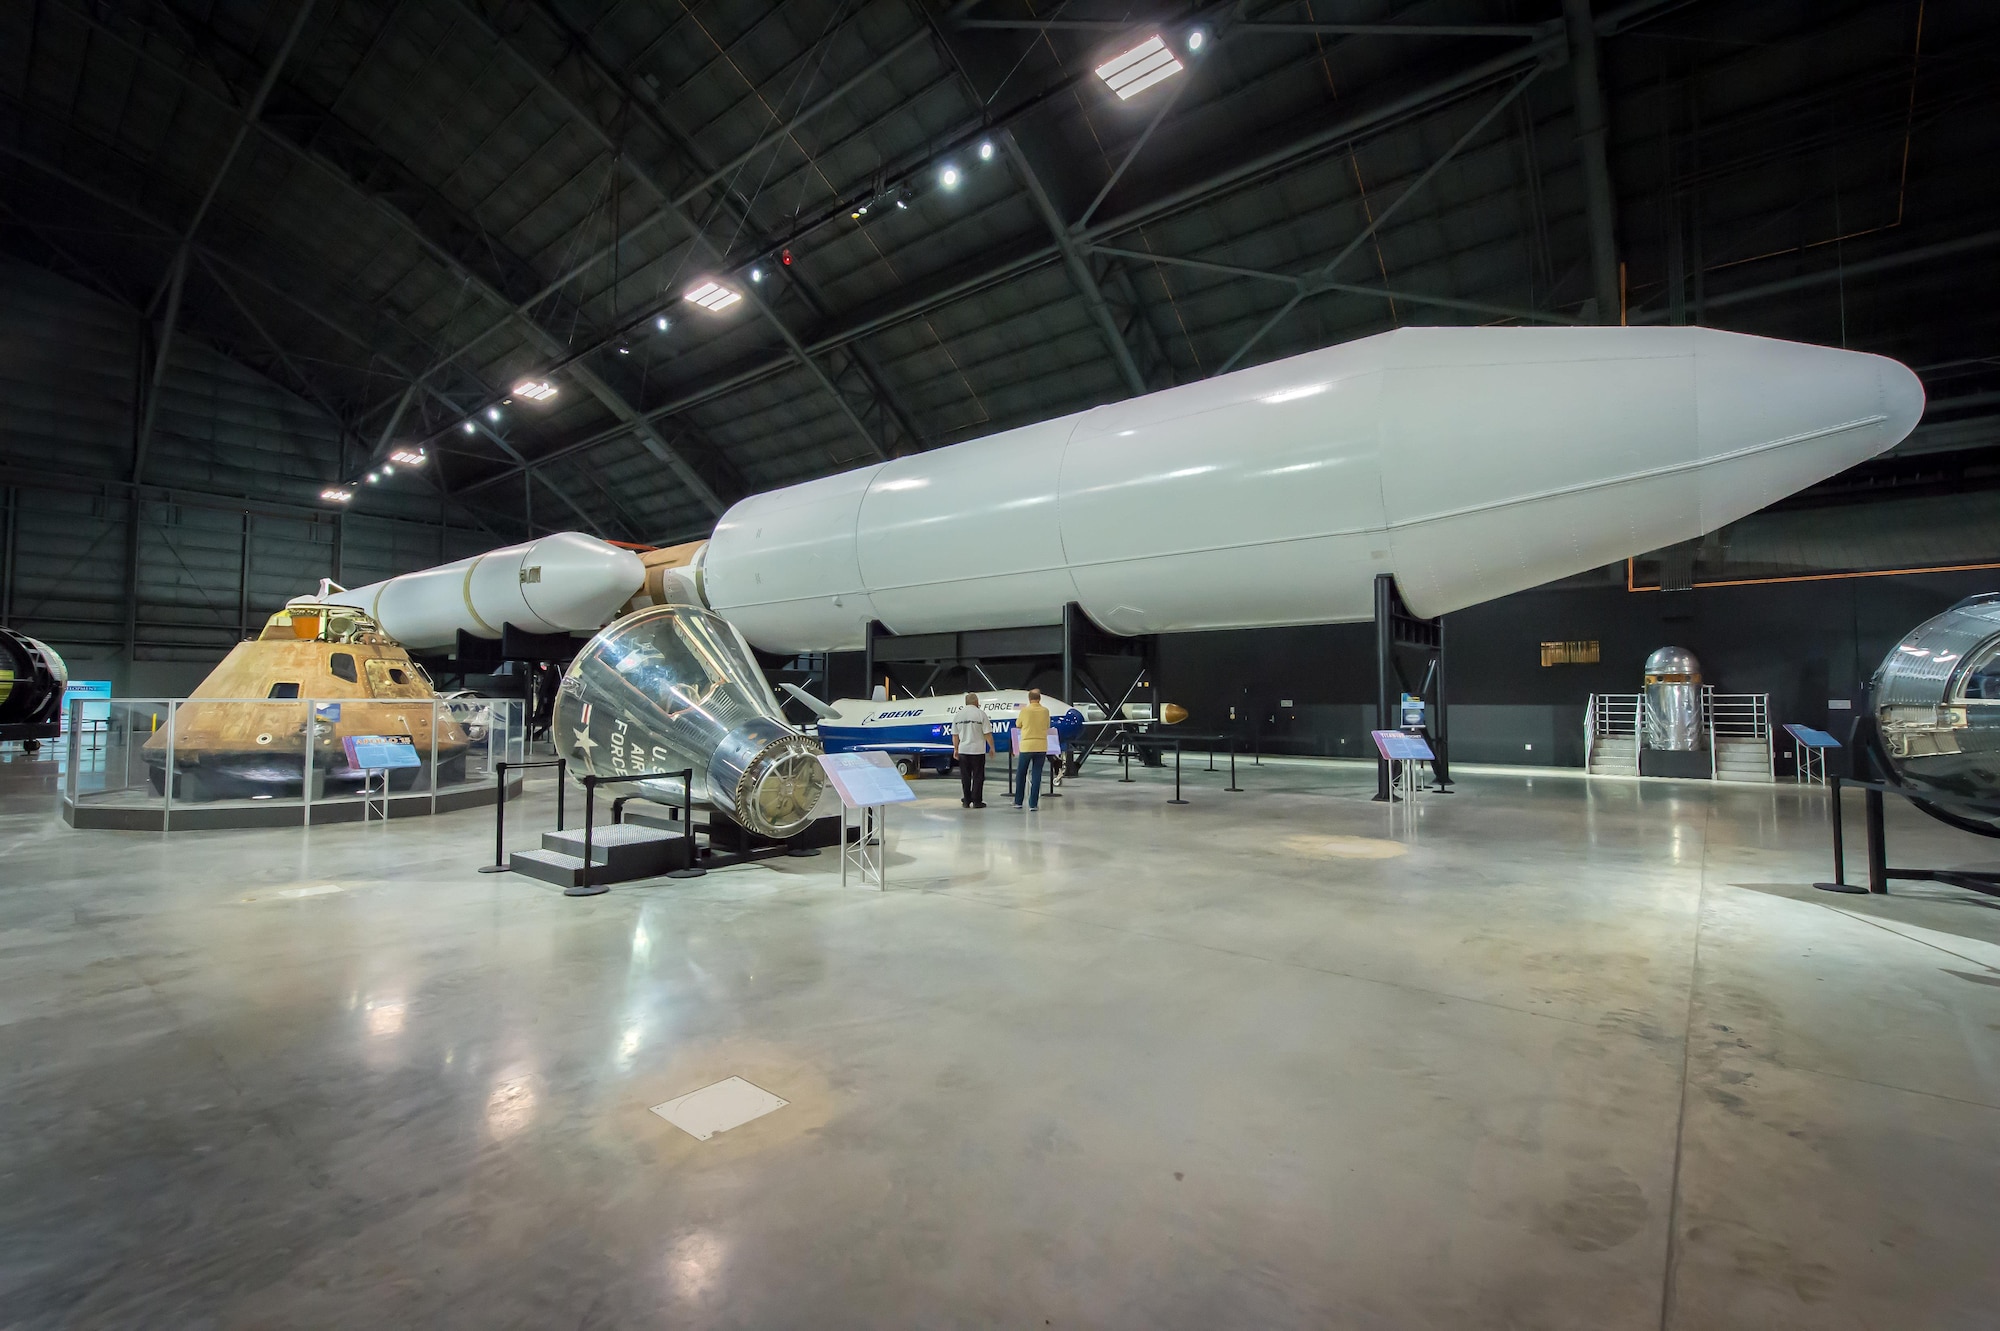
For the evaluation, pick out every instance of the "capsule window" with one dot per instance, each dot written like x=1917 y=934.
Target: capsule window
x=285 y=690
x=397 y=677
x=343 y=667
x=1981 y=680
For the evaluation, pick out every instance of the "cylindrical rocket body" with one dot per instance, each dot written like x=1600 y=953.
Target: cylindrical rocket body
x=564 y=583
x=1468 y=462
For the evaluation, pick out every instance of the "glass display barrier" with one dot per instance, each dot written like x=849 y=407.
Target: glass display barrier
x=154 y=763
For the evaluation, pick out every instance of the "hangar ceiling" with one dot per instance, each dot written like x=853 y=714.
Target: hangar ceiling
x=942 y=222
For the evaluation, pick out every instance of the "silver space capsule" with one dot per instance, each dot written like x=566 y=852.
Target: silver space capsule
x=1673 y=701
x=1936 y=699
x=673 y=687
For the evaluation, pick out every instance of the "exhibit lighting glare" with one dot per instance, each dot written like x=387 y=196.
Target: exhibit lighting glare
x=713 y=296
x=1294 y=394
x=409 y=457
x=948 y=176
x=337 y=495
x=1140 y=68
x=986 y=151
x=535 y=390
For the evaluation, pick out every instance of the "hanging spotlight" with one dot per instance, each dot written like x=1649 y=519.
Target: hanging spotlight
x=372 y=478
x=624 y=350
x=388 y=470
x=986 y=151
x=948 y=176
x=661 y=323
x=493 y=413
x=469 y=428
x=1195 y=38
x=756 y=274
x=903 y=203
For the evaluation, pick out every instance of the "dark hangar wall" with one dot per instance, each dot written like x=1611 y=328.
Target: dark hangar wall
x=1802 y=642
x=211 y=565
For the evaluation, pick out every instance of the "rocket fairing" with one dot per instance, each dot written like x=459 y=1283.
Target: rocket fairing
x=565 y=583
x=1468 y=462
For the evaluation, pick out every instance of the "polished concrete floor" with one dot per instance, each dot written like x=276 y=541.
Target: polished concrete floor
x=1544 y=1053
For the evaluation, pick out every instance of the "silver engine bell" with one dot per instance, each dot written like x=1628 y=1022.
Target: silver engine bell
x=672 y=687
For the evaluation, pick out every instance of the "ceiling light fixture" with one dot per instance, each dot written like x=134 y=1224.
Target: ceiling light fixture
x=986 y=151
x=493 y=413
x=372 y=478
x=948 y=176
x=661 y=323
x=713 y=296
x=409 y=457
x=1140 y=68
x=469 y=428
x=756 y=274
x=535 y=390
x=1195 y=38
x=337 y=495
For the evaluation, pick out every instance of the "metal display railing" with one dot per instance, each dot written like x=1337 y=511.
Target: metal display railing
x=143 y=755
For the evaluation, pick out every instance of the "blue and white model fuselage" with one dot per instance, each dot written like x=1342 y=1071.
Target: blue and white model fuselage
x=922 y=726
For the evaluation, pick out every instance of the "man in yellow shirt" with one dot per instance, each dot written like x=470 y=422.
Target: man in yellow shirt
x=1031 y=742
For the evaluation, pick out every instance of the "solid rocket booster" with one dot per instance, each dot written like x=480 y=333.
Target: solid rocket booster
x=563 y=583
x=1468 y=462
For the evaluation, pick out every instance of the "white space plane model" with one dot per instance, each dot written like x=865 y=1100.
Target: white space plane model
x=1470 y=463
x=918 y=730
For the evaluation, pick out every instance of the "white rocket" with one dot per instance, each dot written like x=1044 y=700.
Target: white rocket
x=1468 y=462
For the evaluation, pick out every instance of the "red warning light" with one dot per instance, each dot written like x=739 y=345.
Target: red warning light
x=786 y=259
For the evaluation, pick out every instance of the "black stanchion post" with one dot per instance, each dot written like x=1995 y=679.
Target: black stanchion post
x=1125 y=756
x=1232 y=768
x=583 y=887
x=499 y=864
x=1177 y=775
x=692 y=869
x=562 y=786
x=1878 y=848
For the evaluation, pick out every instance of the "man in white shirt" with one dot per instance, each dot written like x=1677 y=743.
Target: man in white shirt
x=971 y=741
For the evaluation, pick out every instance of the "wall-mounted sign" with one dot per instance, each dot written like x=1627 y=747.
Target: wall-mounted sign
x=1580 y=652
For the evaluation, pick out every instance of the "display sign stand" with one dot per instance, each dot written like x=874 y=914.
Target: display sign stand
x=867 y=783
x=1812 y=750
x=375 y=756
x=1400 y=752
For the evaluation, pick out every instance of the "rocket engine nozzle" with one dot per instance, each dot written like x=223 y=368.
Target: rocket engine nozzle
x=672 y=687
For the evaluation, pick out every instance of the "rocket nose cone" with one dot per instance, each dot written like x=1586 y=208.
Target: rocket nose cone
x=1902 y=399
x=1775 y=417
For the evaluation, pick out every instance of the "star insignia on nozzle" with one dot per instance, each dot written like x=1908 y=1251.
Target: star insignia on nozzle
x=584 y=743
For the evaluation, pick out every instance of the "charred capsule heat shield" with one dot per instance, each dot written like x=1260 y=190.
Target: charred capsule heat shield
x=672 y=687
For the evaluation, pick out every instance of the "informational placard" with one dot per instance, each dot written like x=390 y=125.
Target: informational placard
x=866 y=780
x=1812 y=739
x=96 y=694
x=375 y=753
x=1401 y=746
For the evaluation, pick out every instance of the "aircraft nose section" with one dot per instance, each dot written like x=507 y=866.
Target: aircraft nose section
x=1775 y=417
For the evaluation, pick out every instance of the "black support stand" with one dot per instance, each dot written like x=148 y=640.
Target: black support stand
x=1879 y=870
x=1396 y=627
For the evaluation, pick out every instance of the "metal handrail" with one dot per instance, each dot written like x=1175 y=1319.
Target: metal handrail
x=500 y=864
x=582 y=887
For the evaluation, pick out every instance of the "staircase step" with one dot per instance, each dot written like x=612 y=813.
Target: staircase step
x=625 y=850
x=548 y=865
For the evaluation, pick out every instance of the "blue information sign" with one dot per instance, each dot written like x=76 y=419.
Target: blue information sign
x=1401 y=746
x=374 y=753
x=867 y=779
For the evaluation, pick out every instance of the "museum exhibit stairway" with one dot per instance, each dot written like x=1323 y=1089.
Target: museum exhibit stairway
x=621 y=853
